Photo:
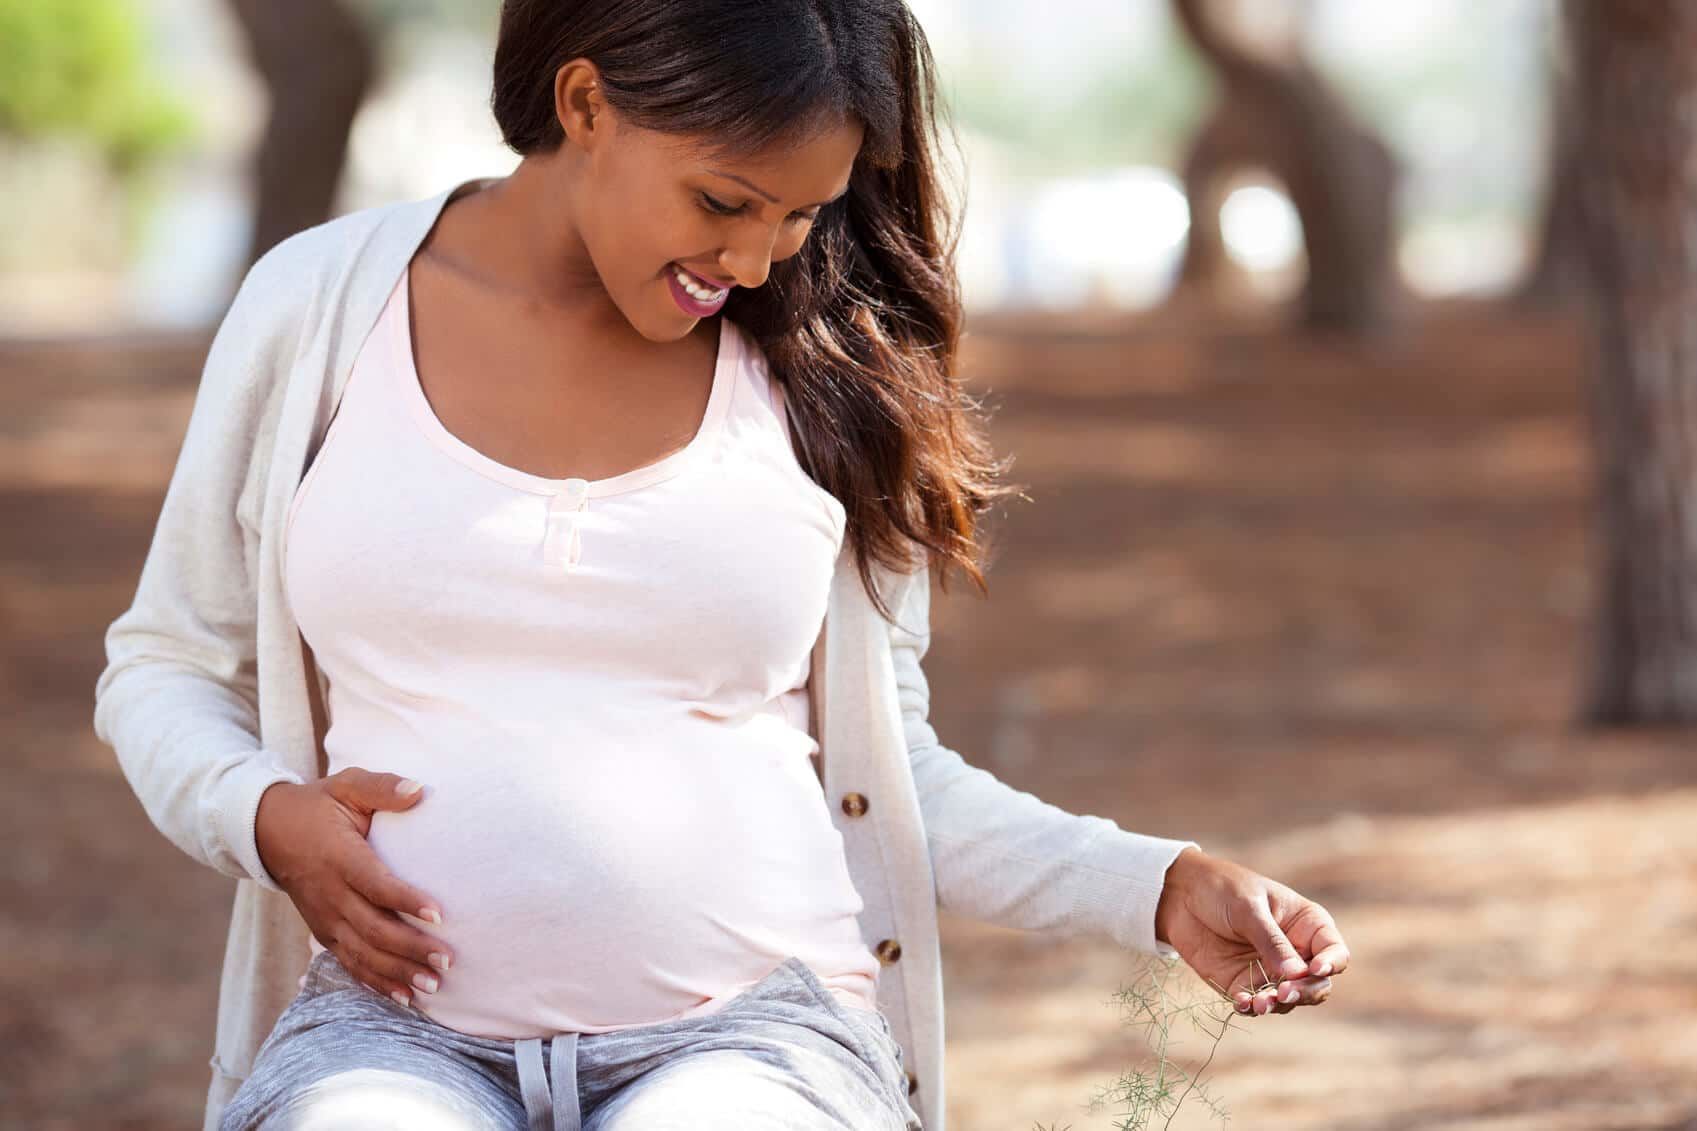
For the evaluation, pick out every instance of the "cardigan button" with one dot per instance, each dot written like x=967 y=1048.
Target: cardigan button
x=887 y=950
x=912 y=1082
x=854 y=804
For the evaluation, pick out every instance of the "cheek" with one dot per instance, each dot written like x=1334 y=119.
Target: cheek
x=632 y=241
x=655 y=230
x=790 y=242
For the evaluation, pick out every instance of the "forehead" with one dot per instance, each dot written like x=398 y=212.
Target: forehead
x=801 y=160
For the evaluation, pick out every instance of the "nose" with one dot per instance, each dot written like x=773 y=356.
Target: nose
x=748 y=262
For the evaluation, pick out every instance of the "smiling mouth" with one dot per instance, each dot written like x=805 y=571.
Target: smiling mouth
x=697 y=289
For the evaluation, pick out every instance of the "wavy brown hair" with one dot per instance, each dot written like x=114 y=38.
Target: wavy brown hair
x=862 y=325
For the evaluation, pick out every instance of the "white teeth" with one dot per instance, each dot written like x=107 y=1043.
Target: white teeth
x=696 y=290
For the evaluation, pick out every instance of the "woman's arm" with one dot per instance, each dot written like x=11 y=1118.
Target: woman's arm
x=178 y=699
x=1002 y=855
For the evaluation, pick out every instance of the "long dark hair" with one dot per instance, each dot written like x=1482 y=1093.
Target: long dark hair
x=862 y=325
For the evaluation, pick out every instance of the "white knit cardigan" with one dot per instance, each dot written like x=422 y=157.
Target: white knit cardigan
x=205 y=698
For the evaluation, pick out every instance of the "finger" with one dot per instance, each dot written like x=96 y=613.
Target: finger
x=1247 y=984
x=1280 y=957
x=1267 y=1002
x=1331 y=955
x=391 y=932
x=379 y=971
x=1254 y=976
x=1250 y=984
x=369 y=791
x=383 y=888
x=1315 y=933
x=1303 y=991
x=392 y=967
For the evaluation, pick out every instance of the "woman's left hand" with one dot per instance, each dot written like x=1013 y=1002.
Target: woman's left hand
x=1255 y=939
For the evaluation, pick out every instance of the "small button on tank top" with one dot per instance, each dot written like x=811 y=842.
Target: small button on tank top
x=602 y=684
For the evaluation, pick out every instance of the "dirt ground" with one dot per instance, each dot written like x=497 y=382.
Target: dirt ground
x=1321 y=607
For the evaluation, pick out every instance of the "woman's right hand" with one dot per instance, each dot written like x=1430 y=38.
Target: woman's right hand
x=312 y=839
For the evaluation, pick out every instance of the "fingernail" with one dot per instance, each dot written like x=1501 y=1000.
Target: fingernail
x=425 y=982
x=430 y=915
x=1290 y=995
x=1325 y=968
x=441 y=961
x=401 y=997
x=408 y=786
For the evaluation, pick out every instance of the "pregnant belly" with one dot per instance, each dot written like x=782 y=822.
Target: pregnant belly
x=590 y=886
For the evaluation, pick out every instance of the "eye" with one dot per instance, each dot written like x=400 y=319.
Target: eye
x=720 y=208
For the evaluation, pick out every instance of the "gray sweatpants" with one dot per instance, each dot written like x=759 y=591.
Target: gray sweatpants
x=784 y=1054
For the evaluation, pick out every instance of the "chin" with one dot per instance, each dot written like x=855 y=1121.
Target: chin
x=668 y=325
x=682 y=327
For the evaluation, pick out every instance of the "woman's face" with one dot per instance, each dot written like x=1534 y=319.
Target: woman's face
x=649 y=204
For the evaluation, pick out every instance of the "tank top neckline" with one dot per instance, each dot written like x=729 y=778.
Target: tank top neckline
x=718 y=404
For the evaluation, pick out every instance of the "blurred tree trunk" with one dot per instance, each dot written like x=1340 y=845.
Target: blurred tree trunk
x=1558 y=271
x=1635 y=66
x=317 y=61
x=1277 y=113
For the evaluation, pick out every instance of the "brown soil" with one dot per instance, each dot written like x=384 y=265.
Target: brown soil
x=1321 y=607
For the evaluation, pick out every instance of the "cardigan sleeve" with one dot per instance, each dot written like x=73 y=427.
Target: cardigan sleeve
x=178 y=699
x=1001 y=855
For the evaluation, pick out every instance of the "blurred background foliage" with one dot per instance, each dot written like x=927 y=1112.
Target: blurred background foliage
x=132 y=193
x=82 y=68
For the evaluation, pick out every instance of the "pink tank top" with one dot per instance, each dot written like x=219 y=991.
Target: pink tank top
x=602 y=685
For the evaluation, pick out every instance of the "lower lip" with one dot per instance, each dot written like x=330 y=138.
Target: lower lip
x=688 y=303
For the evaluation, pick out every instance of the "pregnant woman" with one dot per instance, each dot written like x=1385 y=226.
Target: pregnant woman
x=604 y=497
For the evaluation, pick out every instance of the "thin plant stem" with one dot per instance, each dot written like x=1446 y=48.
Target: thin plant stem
x=1149 y=1008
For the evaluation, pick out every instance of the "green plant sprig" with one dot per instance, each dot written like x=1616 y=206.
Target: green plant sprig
x=1146 y=1004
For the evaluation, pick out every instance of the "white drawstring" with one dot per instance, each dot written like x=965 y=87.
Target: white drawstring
x=556 y=1108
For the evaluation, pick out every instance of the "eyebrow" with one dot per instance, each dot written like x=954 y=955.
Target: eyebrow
x=772 y=199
